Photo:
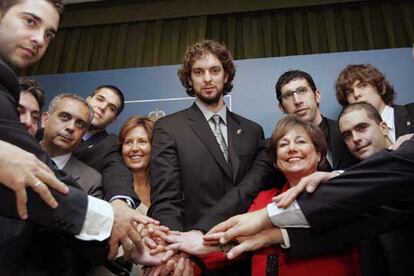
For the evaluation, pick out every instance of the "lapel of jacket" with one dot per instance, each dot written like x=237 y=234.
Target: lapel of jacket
x=72 y=169
x=402 y=120
x=235 y=136
x=336 y=144
x=201 y=128
x=91 y=142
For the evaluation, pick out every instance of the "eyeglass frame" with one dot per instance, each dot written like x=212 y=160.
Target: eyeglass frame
x=288 y=96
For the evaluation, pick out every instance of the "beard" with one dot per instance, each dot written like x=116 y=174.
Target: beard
x=212 y=99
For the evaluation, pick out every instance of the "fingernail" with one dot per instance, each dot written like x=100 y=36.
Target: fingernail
x=310 y=189
x=54 y=204
x=24 y=216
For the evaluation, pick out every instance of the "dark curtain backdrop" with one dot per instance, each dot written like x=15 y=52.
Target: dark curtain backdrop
x=282 y=32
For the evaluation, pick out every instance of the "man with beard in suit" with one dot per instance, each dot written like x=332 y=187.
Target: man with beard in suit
x=207 y=162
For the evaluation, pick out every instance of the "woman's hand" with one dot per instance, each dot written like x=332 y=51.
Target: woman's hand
x=190 y=242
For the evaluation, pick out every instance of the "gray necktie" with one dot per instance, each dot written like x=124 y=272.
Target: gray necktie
x=219 y=136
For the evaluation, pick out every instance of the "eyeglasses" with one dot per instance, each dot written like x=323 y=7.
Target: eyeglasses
x=288 y=96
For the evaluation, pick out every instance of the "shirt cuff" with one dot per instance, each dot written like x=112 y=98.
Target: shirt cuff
x=286 y=240
x=98 y=221
x=127 y=198
x=290 y=217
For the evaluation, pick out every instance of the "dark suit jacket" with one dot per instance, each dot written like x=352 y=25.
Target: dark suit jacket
x=386 y=178
x=351 y=208
x=403 y=119
x=101 y=152
x=341 y=157
x=192 y=186
x=87 y=177
x=69 y=215
x=71 y=212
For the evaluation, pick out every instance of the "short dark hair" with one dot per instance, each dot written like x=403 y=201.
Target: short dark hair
x=289 y=76
x=6 y=4
x=364 y=73
x=32 y=86
x=371 y=111
x=117 y=91
x=196 y=51
x=291 y=122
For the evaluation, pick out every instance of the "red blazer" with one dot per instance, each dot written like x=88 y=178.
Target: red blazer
x=343 y=263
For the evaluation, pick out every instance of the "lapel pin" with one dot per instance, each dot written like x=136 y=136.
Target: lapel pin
x=90 y=146
x=239 y=131
x=408 y=123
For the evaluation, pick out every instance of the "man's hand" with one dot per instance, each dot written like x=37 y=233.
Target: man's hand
x=264 y=238
x=20 y=169
x=240 y=225
x=401 y=140
x=189 y=242
x=125 y=229
x=310 y=183
x=179 y=265
x=145 y=257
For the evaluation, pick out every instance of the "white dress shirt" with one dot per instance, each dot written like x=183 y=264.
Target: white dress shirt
x=208 y=114
x=99 y=217
x=387 y=116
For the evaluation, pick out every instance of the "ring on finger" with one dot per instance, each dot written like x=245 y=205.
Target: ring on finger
x=38 y=183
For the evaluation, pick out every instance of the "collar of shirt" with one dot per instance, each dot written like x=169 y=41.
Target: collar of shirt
x=387 y=116
x=61 y=160
x=87 y=135
x=208 y=113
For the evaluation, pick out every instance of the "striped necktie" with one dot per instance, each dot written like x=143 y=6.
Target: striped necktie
x=219 y=136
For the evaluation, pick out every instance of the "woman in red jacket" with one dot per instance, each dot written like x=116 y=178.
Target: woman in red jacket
x=297 y=148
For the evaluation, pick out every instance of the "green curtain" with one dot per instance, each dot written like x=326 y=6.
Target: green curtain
x=333 y=28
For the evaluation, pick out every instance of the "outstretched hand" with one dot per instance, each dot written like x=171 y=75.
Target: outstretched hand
x=308 y=183
x=189 y=242
x=125 y=229
x=256 y=241
x=240 y=225
x=20 y=169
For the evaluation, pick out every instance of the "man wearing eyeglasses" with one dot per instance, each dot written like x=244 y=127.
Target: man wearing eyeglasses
x=297 y=94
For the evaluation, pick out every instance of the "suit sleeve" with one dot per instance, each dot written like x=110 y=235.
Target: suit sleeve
x=70 y=214
x=166 y=194
x=116 y=177
x=306 y=243
x=237 y=200
x=384 y=179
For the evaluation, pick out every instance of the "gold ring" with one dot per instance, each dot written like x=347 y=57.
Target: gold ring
x=38 y=183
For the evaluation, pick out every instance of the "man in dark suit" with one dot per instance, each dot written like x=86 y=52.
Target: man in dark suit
x=365 y=83
x=297 y=94
x=100 y=150
x=65 y=123
x=22 y=43
x=202 y=156
x=365 y=133
x=373 y=196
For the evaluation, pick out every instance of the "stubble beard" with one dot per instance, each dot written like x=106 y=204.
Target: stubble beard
x=211 y=100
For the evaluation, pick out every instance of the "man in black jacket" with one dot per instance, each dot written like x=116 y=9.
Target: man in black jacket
x=297 y=95
x=26 y=29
